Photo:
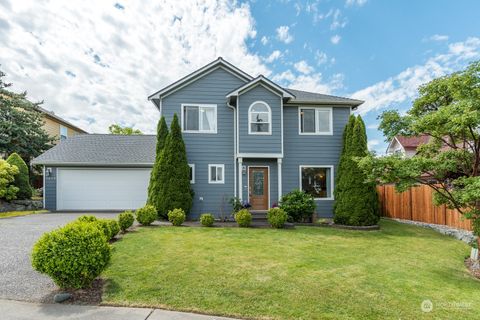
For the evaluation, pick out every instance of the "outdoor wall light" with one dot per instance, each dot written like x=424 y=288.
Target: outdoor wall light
x=244 y=169
x=48 y=172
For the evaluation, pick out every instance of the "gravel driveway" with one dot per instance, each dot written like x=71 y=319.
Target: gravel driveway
x=18 y=281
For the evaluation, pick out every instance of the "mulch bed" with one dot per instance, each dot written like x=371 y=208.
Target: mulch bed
x=469 y=264
x=88 y=296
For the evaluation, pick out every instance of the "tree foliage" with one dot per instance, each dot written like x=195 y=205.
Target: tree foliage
x=22 y=180
x=118 y=129
x=154 y=185
x=174 y=179
x=356 y=199
x=21 y=125
x=448 y=111
x=8 y=190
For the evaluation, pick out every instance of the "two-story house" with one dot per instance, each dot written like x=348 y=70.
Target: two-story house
x=245 y=137
x=57 y=127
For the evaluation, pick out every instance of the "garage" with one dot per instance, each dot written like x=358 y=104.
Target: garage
x=102 y=189
x=97 y=172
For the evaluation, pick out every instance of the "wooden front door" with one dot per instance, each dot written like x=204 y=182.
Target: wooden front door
x=258 y=187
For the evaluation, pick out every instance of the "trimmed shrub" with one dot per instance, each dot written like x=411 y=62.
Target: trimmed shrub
x=146 y=215
x=277 y=217
x=73 y=256
x=114 y=228
x=87 y=218
x=104 y=226
x=8 y=191
x=22 y=178
x=125 y=220
x=298 y=205
x=207 y=219
x=176 y=217
x=243 y=218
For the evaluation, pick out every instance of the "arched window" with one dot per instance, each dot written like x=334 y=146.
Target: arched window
x=259 y=118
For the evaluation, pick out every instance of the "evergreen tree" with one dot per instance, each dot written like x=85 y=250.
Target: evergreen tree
x=347 y=134
x=153 y=187
x=22 y=181
x=174 y=180
x=356 y=200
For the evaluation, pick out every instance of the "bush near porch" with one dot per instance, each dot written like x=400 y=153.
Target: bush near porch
x=301 y=273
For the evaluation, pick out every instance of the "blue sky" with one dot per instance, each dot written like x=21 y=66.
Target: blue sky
x=95 y=63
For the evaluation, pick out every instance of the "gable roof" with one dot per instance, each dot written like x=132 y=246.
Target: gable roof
x=412 y=142
x=261 y=79
x=52 y=115
x=219 y=63
x=313 y=98
x=102 y=150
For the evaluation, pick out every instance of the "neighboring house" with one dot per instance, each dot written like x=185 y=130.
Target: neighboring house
x=406 y=146
x=246 y=137
x=57 y=127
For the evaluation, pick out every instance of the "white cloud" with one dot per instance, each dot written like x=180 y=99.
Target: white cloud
x=373 y=143
x=264 y=40
x=309 y=82
x=95 y=63
x=403 y=87
x=303 y=67
x=373 y=126
x=338 y=21
x=335 y=39
x=438 y=37
x=273 y=56
x=284 y=35
x=359 y=3
x=321 y=57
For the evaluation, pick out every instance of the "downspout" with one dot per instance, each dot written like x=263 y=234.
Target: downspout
x=234 y=148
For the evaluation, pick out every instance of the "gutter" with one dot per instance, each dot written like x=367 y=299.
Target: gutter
x=234 y=148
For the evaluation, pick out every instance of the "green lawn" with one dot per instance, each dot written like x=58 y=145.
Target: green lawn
x=10 y=214
x=306 y=273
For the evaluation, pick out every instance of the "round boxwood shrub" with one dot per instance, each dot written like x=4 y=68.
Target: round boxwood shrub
x=22 y=178
x=243 y=218
x=125 y=220
x=104 y=226
x=277 y=217
x=298 y=205
x=73 y=256
x=114 y=227
x=207 y=219
x=176 y=217
x=146 y=215
x=87 y=218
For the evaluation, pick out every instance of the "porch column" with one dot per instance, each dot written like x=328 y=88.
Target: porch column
x=279 y=166
x=240 y=169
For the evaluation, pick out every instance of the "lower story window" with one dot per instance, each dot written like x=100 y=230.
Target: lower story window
x=192 y=172
x=216 y=173
x=317 y=181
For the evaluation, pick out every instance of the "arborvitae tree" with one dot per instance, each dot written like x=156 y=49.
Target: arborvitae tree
x=174 y=179
x=154 y=186
x=22 y=180
x=356 y=200
x=347 y=134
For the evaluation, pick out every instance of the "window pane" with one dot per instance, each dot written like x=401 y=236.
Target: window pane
x=316 y=181
x=213 y=174
x=259 y=108
x=208 y=119
x=258 y=183
x=259 y=117
x=191 y=173
x=323 y=120
x=191 y=118
x=307 y=120
x=219 y=173
x=259 y=127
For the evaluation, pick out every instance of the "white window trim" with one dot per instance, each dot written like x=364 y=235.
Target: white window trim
x=223 y=173
x=191 y=165
x=66 y=131
x=332 y=175
x=214 y=106
x=269 y=132
x=317 y=132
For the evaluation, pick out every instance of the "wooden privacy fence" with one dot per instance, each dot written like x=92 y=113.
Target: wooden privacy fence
x=417 y=204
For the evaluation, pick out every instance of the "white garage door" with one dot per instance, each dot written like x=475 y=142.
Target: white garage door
x=101 y=189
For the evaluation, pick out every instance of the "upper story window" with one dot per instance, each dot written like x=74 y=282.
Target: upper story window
x=63 y=132
x=259 y=118
x=199 y=118
x=317 y=181
x=315 y=121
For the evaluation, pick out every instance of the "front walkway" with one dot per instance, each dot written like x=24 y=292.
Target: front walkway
x=16 y=310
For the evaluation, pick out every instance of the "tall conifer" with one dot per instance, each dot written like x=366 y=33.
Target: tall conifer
x=153 y=187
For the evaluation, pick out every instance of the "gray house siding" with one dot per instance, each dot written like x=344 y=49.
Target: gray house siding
x=273 y=177
x=311 y=150
x=249 y=143
x=50 y=189
x=204 y=149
